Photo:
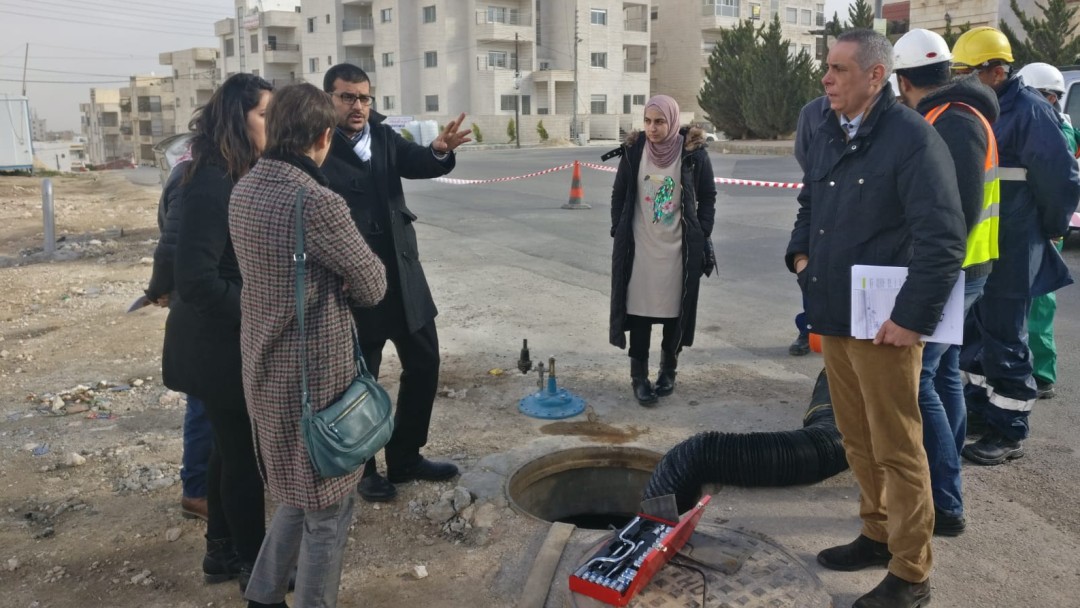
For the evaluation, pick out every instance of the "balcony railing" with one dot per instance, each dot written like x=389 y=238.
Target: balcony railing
x=361 y=23
x=503 y=18
x=634 y=65
x=721 y=10
x=281 y=46
x=636 y=25
x=364 y=63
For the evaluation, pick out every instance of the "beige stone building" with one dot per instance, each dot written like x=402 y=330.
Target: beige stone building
x=684 y=33
x=148 y=106
x=195 y=76
x=930 y=14
x=107 y=133
x=431 y=59
x=262 y=38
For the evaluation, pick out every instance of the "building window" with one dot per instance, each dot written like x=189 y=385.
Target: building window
x=654 y=12
x=806 y=16
x=806 y=49
x=431 y=103
x=598 y=104
x=386 y=15
x=388 y=102
x=311 y=24
x=598 y=60
x=329 y=60
x=819 y=14
x=526 y=105
x=792 y=15
x=626 y=104
x=793 y=49
x=723 y=8
x=508 y=103
x=598 y=16
x=328 y=18
x=498 y=59
x=387 y=59
x=313 y=65
x=639 y=100
x=431 y=59
x=429 y=14
x=230 y=49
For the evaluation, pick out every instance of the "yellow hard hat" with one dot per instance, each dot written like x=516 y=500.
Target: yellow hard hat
x=979 y=45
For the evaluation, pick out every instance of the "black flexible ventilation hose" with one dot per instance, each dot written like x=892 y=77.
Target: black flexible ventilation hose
x=783 y=458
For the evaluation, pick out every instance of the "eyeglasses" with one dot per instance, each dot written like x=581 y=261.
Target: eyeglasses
x=960 y=69
x=349 y=99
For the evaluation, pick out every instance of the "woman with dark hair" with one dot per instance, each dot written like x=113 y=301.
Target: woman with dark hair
x=311 y=524
x=662 y=208
x=201 y=356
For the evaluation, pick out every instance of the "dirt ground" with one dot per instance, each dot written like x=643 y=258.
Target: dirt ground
x=90 y=440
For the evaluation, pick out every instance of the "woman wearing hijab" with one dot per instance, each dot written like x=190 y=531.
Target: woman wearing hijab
x=662 y=207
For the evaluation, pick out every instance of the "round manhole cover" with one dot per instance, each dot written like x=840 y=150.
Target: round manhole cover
x=734 y=568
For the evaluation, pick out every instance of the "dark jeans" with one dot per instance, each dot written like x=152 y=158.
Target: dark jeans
x=419 y=356
x=198 y=441
x=997 y=361
x=641 y=336
x=235 y=489
x=944 y=415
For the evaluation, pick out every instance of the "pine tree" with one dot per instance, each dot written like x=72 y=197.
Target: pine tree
x=949 y=35
x=835 y=27
x=726 y=77
x=1051 y=39
x=781 y=84
x=860 y=15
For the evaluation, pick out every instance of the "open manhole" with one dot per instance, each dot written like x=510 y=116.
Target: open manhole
x=591 y=487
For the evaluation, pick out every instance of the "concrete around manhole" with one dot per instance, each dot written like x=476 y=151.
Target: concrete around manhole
x=590 y=487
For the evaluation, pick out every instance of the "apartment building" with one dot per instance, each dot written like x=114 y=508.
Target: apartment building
x=431 y=59
x=195 y=76
x=262 y=38
x=107 y=133
x=684 y=33
x=930 y=14
x=148 y=105
x=38 y=127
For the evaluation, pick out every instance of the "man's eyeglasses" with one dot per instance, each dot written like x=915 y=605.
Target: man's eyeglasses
x=349 y=99
x=960 y=69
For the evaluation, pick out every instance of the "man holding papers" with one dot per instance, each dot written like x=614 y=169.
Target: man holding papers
x=880 y=190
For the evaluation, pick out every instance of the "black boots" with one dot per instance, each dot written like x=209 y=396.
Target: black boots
x=221 y=562
x=639 y=377
x=993 y=448
x=665 y=381
x=862 y=553
x=895 y=592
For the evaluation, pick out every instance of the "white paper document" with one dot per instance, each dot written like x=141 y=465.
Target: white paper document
x=873 y=295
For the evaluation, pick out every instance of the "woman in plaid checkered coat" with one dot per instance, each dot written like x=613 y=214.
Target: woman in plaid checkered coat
x=340 y=268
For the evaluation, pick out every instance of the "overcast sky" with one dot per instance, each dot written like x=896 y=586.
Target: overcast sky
x=79 y=44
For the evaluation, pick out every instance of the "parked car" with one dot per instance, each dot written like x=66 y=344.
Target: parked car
x=1070 y=105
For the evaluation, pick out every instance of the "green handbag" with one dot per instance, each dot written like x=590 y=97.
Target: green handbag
x=359 y=423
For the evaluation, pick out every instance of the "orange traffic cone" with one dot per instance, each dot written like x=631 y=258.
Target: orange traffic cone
x=575 y=191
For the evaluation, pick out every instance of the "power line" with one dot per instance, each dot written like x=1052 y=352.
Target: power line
x=82 y=50
x=192 y=76
x=126 y=6
x=126 y=28
x=114 y=12
x=66 y=81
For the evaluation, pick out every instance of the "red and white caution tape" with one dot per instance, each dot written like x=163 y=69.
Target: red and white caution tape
x=609 y=169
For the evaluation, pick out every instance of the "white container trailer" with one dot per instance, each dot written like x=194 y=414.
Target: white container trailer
x=16 y=145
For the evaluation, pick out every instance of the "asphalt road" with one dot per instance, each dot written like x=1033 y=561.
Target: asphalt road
x=507 y=251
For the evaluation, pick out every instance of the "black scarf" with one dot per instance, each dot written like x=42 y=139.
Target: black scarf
x=305 y=164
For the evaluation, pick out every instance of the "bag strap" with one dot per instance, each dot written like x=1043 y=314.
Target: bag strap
x=300 y=259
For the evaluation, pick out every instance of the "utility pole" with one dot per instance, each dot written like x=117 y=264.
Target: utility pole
x=517 y=88
x=573 y=122
x=26 y=59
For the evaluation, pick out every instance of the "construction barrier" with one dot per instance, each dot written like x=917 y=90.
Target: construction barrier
x=728 y=181
x=575 y=190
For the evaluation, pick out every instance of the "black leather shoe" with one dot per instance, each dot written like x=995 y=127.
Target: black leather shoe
x=993 y=448
x=423 y=470
x=665 y=380
x=948 y=525
x=375 y=488
x=895 y=592
x=643 y=391
x=221 y=563
x=856 y=555
x=254 y=604
x=800 y=347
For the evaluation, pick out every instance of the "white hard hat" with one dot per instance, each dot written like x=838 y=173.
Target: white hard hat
x=920 y=47
x=1044 y=77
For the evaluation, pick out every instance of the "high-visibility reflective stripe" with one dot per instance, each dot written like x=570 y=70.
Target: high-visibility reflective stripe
x=982 y=241
x=997 y=399
x=1012 y=174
